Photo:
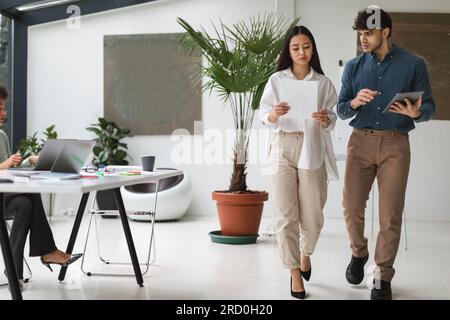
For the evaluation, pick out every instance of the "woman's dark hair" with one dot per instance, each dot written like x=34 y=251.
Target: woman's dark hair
x=285 y=60
x=361 y=21
x=4 y=93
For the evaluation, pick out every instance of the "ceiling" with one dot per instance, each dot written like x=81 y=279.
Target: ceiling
x=32 y=12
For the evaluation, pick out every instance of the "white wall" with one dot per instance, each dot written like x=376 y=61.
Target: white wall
x=65 y=82
x=65 y=87
x=429 y=182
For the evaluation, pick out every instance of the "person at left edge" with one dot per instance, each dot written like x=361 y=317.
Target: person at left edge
x=27 y=211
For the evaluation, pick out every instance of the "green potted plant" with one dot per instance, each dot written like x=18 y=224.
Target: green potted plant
x=239 y=62
x=109 y=150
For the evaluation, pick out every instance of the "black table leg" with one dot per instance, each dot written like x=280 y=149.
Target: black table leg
x=7 y=254
x=73 y=235
x=128 y=236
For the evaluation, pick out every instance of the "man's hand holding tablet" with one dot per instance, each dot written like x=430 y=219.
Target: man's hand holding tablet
x=407 y=103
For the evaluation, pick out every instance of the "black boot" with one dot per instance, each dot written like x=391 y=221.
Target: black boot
x=381 y=290
x=355 y=270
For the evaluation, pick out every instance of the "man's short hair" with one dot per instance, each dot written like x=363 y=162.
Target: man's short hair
x=4 y=93
x=373 y=18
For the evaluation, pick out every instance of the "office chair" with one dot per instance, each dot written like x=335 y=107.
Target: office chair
x=104 y=205
x=137 y=197
x=29 y=273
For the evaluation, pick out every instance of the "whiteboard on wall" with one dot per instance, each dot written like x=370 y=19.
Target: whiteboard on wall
x=341 y=133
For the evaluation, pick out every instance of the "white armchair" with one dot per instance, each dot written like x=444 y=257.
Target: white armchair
x=174 y=197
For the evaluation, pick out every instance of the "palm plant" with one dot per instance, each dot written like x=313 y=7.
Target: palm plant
x=239 y=61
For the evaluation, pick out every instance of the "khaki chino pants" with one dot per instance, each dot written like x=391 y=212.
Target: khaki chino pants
x=298 y=197
x=386 y=156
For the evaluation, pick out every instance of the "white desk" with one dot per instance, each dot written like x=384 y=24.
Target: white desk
x=83 y=186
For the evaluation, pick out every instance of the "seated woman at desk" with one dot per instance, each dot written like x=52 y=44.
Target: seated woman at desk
x=27 y=211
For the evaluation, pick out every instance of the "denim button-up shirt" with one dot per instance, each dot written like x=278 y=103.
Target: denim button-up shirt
x=400 y=71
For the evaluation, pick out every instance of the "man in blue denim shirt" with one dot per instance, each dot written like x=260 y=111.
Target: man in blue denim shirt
x=379 y=145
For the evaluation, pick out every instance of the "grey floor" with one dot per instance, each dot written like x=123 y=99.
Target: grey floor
x=189 y=266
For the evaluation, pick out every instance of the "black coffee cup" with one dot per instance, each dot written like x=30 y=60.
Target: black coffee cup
x=148 y=162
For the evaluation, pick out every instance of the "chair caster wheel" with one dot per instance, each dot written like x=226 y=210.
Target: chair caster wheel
x=141 y=285
x=26 y=280
x=89 y=274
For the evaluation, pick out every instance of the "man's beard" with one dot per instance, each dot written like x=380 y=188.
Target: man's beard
x=378 y=45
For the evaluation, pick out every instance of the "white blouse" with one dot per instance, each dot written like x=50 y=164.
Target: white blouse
x=317 y=145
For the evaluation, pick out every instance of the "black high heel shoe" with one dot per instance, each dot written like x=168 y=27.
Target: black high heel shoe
x=69 y=261
x=306 y=275
x=298 y=294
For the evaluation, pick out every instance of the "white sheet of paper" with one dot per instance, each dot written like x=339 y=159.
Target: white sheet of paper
x=301 y=96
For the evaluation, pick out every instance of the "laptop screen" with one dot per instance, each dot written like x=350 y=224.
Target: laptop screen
x=49 y=153
x=73 y=156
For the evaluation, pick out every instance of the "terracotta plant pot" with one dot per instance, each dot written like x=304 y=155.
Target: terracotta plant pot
x=239 y=214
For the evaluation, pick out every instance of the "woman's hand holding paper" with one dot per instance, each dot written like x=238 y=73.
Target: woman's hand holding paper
x=322 y=117
x=278 y=110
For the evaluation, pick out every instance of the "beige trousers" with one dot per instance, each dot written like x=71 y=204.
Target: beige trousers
x=384 y=155
x=298 y=197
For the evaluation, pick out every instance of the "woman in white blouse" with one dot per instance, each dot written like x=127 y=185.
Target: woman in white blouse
x=301 y=156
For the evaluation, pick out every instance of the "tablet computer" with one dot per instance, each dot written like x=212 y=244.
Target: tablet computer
x=411 y=96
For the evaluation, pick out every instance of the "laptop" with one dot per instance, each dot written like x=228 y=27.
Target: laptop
x=47 y=157
x=70 y=161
